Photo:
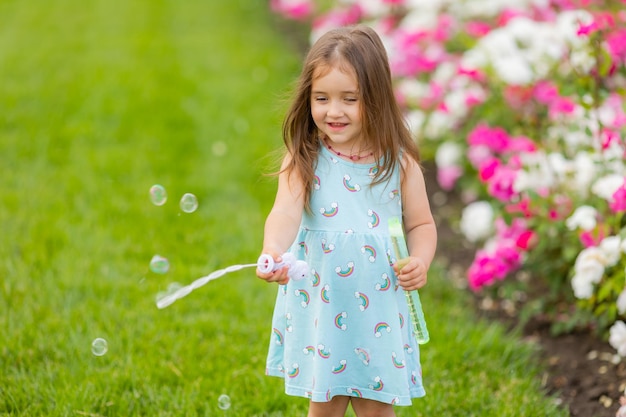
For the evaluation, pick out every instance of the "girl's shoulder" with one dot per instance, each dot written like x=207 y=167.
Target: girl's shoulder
x=410 y=168
x=407 y=161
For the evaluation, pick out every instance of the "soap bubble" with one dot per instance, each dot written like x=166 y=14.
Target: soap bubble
x=241 y=125
x=99 y=346
x=219 y=148
x=159 y=264
x=260 y=74
x=223 y=402
x=158 y=195
x=188 y=203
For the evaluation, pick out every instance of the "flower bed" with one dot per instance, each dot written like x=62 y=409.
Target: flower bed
x=521 y=105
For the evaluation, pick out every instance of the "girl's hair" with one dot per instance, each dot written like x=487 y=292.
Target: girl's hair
x=357 y=49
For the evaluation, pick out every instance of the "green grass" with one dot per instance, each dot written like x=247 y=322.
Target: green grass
x=102 y=99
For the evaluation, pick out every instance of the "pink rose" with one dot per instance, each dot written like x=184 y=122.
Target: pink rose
x=495 y=138
x=297 y=10
x=487 y=169
x=477 y=29
x=485 y=269
x=500 y=184
x=561 y=105
x=618 y=200
x=545 y=92
x=521 y=144
x=522 y=207
x=447 y=176
x=526 y=240
x=616 y=43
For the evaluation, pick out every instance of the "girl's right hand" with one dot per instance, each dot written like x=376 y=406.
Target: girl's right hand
x=280 y=275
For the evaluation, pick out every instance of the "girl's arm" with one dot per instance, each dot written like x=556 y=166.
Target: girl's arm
x=283 y=221
x=419 y=225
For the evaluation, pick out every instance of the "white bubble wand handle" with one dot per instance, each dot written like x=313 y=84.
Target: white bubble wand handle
x=297 y=270
x=267 y=264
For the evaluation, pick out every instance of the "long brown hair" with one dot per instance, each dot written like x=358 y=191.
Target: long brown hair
x=384 y=127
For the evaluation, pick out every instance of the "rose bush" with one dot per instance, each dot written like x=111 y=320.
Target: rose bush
x=521 y=105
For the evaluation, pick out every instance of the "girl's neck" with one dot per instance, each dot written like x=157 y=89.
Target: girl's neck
x=361 y=156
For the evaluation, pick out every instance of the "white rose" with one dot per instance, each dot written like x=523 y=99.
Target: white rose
x=617 y=337
x=437 y=124
x=560 y=166
x=583 y=288
x=606 y=186
x=415 y=121
x=419 y=17
x=568 y=22
x=621 y=302
x=585 y=172
x=614 y=152
x=589 y=256
x=513 y=70
x=584 y=217
x=412 y=89
x=445 y=72
x=477 y=221
x=611 y=247
x=573 y=139
x=588 y=270
x=473 y=59
x=455 y=103
x=448 y=155
x=523 y=181
x=582 y=60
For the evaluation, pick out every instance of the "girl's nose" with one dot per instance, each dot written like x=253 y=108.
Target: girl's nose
x=335 y=109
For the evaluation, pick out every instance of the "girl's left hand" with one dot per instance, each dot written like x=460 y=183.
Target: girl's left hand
x=413 y=275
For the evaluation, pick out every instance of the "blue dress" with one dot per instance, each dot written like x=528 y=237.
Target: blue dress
x=345 y=329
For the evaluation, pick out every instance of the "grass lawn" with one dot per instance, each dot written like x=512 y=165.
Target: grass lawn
x=99 y=101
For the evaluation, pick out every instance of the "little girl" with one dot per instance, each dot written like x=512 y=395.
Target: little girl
x=343 y=335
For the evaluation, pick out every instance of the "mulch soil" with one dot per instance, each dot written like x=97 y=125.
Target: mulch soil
x=583 y=373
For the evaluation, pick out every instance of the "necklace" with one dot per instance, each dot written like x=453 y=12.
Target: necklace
x=352 y=157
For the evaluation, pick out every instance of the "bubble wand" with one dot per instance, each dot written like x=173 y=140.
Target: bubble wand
x=412 y=297
x=297 y=270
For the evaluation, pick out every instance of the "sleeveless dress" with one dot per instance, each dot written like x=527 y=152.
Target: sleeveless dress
x=345 y=329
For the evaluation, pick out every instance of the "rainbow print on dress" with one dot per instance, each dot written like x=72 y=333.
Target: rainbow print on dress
x=341 y=367
x=278 y=335
x=363 y=355
x=385 y=285
x=375 y=219
x=378 y=329
x=334 y=209
x=345 y=272
x=377 y=385
x=370 y=252
x=295 y=371
x=304 y=294
x=339 y=320
x=324 y=294
x=397 y=363
x=323 y=352
x=364 y=301
x=352 y=188
x=354 y=392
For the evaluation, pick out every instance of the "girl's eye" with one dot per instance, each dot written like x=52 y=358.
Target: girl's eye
x=320 y=98
x=351 y=99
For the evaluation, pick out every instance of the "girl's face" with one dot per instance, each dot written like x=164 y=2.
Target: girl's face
x=336 y=107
